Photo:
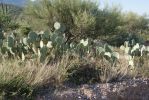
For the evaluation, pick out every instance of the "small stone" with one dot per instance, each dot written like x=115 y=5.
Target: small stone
x=104 y=97
x=79 y=97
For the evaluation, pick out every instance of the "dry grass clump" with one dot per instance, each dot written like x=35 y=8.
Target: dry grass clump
x=22 y=78
x=92 y=70
x=112 y=72
x=142 y=66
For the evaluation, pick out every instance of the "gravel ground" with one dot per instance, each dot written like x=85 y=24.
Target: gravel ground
x=136 y=89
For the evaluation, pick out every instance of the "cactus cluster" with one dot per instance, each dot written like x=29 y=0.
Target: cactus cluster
x=40 y=44
x=86 y=46
x=107 y=52
x=132 y=49
x=34 y=44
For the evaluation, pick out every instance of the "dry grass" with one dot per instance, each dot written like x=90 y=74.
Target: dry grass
x=142 y=66
x=88 y=69
x=37 y=74
x=113 y=72
x=34 y=73
x=101 y=70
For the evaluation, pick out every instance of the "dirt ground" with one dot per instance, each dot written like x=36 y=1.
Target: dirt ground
x=133 y=89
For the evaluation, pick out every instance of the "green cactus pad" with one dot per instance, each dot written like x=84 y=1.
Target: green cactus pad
x=11 y=41
x=32 y=37
x=1 y=43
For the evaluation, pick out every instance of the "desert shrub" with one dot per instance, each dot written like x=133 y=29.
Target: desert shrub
x=7 y=23
x=81 y=18
x=119 y=39
x=8 y=17
x=77 y=15
x=25 y=30
x=108 y=22
x=134 y=23
x=84 y=18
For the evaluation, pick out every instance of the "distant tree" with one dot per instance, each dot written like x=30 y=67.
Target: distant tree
x=8 y=16
x=134 y=23
x=108 y=21
x=133 y=26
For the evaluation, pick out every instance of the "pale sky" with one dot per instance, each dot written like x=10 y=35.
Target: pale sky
x=138 y=6
x=33 y=0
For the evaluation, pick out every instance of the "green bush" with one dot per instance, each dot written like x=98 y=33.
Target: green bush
x=25 y=30
x=119 y=39
x=8 y=16
x=84 y=18
x=81 y=18
x=78 y=16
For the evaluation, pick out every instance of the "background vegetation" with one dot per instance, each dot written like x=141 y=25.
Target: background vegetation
x=86 y=19
x=81 y=45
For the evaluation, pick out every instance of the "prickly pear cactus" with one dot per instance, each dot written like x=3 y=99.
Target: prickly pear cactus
x=1 y=43
x=1 y=34
x=59 y=27
x=11 y=41
x=43 y=54
x=33 y=37
x=108 y=48
x=45 y=36
x=25 y=41
x=4 y=50
x=43 y=43
x=133 y=49
x=107 y=52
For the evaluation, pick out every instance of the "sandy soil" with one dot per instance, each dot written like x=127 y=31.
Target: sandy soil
x=136 y=89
